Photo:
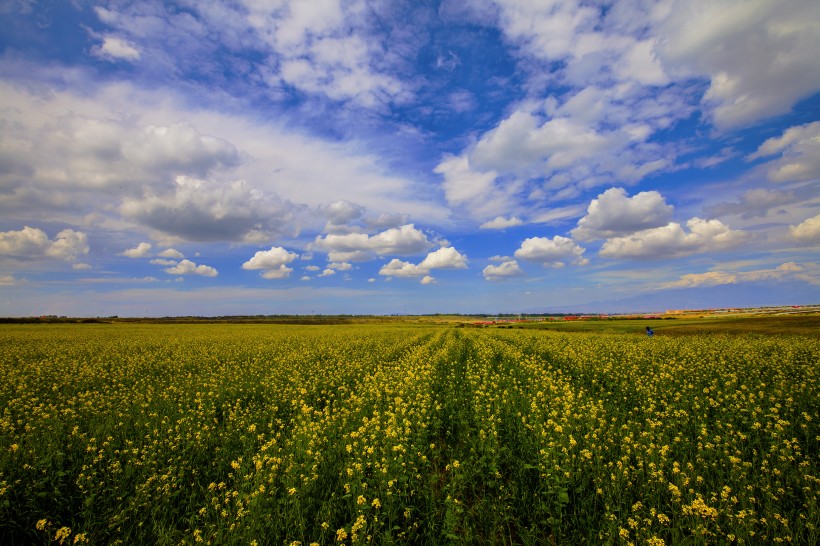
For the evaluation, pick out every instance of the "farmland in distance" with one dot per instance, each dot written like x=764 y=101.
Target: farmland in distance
x=406 y=434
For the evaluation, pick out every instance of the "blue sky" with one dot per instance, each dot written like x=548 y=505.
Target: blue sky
x=331 y=156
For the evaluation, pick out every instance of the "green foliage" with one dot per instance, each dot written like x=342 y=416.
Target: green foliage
x=391 y=434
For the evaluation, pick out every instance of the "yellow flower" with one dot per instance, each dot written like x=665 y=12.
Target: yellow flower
x=62 y=534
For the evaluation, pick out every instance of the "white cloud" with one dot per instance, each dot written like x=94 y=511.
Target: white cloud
x=799 y=154
x=756 y=202
x=399 y=268
x=120 y=152
x=140 y=251
x=616 y=66
x=672 y=240
x=427 y=279
x=717 y=278
x=187 y=267
x=555 y=252
x=549 y=151
x=591 y=133
x=326 y=49
x=758 y=56
x=171 y=253
x=7 y=280
x=443 y=258
x=327 y=272
x=33 y=243
x=474 y=189
x=500 y=222
x=613 y=213
x=403 y=240
x=340 y=266
x=807 y=231
x=163 y=261
x=342 y=212
x=523 y=142
x=503 y=270
x=116 y=48
x=273 y=262
x=200 y=210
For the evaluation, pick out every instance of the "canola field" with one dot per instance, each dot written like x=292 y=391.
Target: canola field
x=300 y=435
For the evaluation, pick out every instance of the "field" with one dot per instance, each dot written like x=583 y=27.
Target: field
x=407 y=434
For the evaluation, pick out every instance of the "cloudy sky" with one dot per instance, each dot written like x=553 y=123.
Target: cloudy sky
x=355 y=156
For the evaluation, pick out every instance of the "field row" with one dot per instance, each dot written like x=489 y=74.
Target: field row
x=259 y=434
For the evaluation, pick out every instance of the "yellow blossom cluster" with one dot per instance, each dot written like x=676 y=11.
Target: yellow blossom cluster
x=360 y=434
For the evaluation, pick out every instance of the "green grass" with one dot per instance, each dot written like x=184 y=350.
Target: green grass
x=804 y=325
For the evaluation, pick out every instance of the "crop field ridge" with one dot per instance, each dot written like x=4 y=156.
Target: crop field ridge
x=392 y=434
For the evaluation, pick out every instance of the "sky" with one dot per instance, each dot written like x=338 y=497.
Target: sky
x=256 y=157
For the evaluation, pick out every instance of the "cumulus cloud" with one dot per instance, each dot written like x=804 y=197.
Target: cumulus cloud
x=475 y=190
x=33 y=243
x=120 y=151
x=187 y=267
x=565 y=138
x=503 y=270
x=798 y=149
x=613 y=213
x=171 y=253
x=84 y=150
x=399 y=268
x=807 y=231
x=140 y=251
x=758 y=56
x=717 y=278
x=555 y=252
x=402 y=240
x=614 y=67
x=672 y=240
x=549 y=151
x=500 y=222
x=201 y=210
x=443 y=258
x=342 y=212
x=427 y=279
x=273 y=262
